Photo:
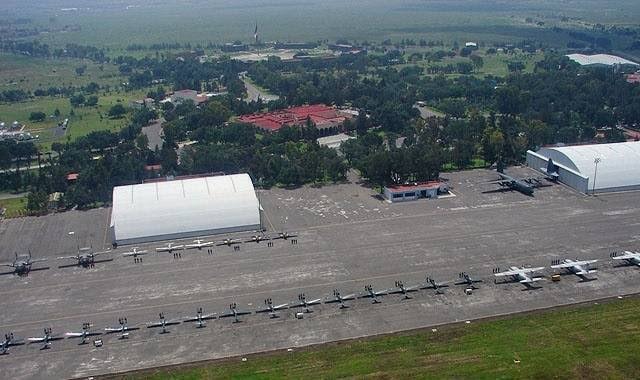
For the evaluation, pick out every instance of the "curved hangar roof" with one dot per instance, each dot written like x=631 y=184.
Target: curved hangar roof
x=183 y=208
x=619 y=165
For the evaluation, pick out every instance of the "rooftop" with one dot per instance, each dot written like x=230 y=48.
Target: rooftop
x=600 y=59
x=321 y=115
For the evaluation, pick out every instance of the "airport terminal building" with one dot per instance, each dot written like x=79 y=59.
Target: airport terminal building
x=184 y=208
x=592 y=168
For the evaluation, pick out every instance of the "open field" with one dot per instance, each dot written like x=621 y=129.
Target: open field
x=13 y=206
x=30 y=73
x=115 y=24
x=597 y=341
x=84 y=120
x=347 y=237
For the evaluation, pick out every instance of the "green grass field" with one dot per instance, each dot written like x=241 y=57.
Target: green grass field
x=586 y=342
x=13 y=206
x=84 y=120
x=29 y=73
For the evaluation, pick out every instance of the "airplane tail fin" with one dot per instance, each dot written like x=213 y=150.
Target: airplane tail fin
x=500 y=165
x=550 y=166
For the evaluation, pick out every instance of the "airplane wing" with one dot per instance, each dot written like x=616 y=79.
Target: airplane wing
x=309 y=303
x=500 y=190
x=136 y=253
x=574 y=263
x=37 y=260
x=204 y=317
x=529 y=280
x=7 y=264
x=36 y=339
x=37 y=269
x=67 y=258
x=172 y=248
x=332 y=300
x=79 y=334
x=159 y=324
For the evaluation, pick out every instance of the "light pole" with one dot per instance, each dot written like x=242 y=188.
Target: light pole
x=595 y=174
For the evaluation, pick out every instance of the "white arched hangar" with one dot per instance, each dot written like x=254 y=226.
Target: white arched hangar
x=591 y=168
x=184 y=208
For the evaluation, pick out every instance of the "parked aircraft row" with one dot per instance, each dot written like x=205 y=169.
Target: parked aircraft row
x=23 y=264
x=526 y=276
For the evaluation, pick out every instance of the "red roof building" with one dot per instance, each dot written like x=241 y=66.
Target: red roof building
x=633 y=78
x=324 y=117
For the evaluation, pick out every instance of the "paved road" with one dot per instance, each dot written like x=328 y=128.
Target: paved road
x=253 y=93
x=347 y=239
x=153 y=132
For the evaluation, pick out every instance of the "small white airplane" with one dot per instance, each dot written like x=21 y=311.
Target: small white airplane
x=339 y=298
x=271 y=308
x=522 y=275
x=123 y=329
x=304 y=302
x=170 y=248
x=578 y=267
x=46 y=339
x=163 y=323
x=200 y=318
x=9 y=341
x=84 y=334
x=229 y=242
x=199 y=244
x=135 y=252
x=632 y=258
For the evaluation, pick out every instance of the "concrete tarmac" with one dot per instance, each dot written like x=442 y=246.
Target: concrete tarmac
x=347 y=239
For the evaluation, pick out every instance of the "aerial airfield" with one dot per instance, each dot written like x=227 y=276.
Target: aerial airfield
x=332 y=263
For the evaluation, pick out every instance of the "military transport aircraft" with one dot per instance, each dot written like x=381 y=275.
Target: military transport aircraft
x=551 y=171
x=466 y=279
x=170 y=248
x=84 y=334
x=229 y=242
x=163 y=323
x=22 y=265
x=200 y=318
x=123 y=329
x=522 y=275
x=430 y=283
x=199 y=244
x=401 y=289
x=303 y=302
x=338 y=298
x=9 y=341
x=578 y=267
x=85 y=258
x=370 y=293
x=507 y=183
x=271 y=309
x=234 y=312
x=46 y=339
x=632 y=258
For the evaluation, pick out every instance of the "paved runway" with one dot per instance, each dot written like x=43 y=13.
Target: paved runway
x=347 y=239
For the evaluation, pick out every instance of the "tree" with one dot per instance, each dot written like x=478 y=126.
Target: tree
x=477 y=61
x=37 y=201
x=117 y=111
x=77 y=100
x=91 y=101
x=37 y=116
x=80 y=70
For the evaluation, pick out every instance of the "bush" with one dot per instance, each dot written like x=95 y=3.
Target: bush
x=37 y=116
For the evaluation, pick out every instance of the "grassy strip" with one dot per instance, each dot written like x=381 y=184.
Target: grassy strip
x=596 y=341
x=14 y=206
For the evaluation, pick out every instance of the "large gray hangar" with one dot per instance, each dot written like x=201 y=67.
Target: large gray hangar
x=184 y=208
x=597 y=167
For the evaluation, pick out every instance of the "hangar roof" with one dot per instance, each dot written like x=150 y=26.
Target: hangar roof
x=600 y=59
x=183 y=206
x=619 y=164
